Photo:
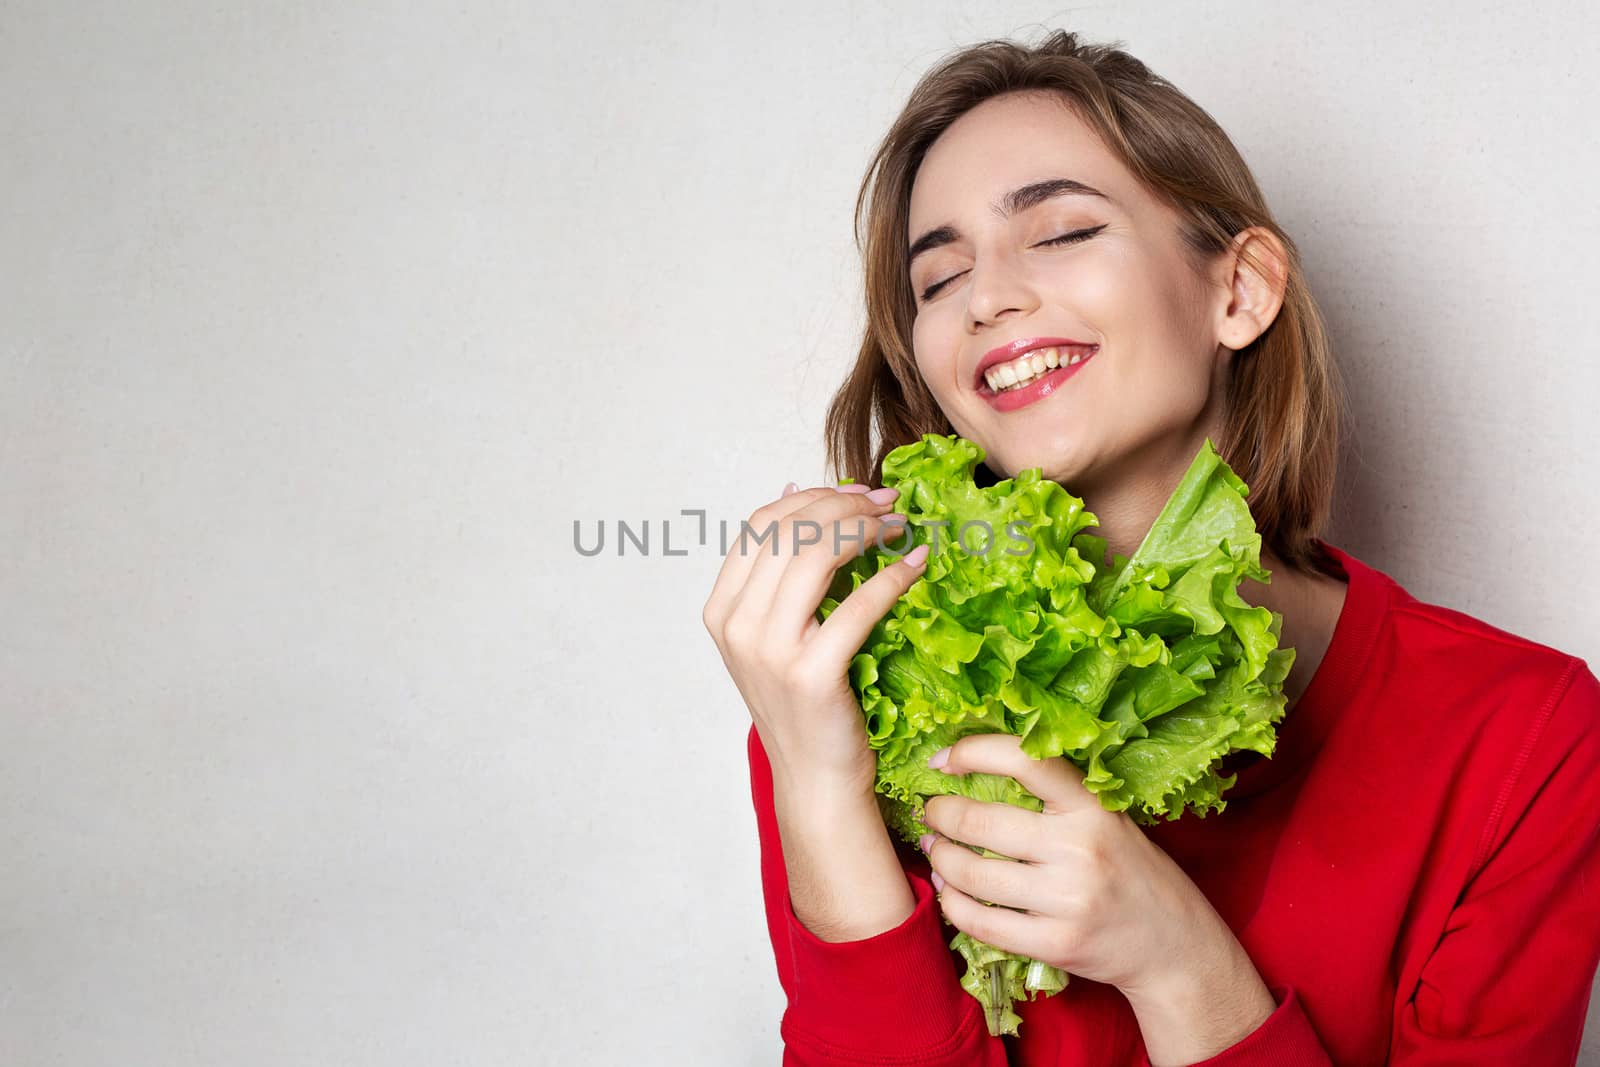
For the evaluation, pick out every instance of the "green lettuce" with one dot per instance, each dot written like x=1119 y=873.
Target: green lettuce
x=1144 y=672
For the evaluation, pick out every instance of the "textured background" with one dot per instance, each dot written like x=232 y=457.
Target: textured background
x=320 y=324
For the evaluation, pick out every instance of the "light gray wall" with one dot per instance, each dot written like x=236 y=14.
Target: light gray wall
x=321 y=323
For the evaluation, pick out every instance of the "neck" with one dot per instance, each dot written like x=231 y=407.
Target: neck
x=1126 y=507
x=1310 y=605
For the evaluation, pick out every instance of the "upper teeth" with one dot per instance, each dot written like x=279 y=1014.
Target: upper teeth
x=1030 y=365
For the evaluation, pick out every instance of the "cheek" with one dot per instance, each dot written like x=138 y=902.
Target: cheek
x=1124 y=283
x=936 y=367
x=1165 y=322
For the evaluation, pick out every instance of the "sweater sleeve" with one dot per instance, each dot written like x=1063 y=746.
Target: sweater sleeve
x=1508 y=981
x=894 y=998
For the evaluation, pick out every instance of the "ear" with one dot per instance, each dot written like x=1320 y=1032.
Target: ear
x=1255 y=269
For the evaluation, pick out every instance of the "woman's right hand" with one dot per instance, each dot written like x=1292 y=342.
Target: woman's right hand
x=791 y=669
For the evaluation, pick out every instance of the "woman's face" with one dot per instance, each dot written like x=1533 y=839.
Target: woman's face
x=1134 y=410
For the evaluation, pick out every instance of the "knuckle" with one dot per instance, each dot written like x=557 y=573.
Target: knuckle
x=1097 y=850
x=972 y=825
x=796 y=501
x=796 y=676
x=837 y=509
x=998 y=883
x=962 y=863
x=762 y=515
x=809 y=666
x=1060 y=850
x=740 y=634
x=1093 y=880
x=1060 y=946
x=1074 y=906
x=1098 y=885
x=800 y=532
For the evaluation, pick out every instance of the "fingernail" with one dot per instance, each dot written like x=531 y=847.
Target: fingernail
x=941 y=757
x=938 y=883
x=915 y=558
x=924 y=841
x=884 y=495
x=853 y=487
x=791 y=487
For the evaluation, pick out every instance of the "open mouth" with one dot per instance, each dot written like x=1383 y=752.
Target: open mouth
x=1031 y=366
x=1032 y=376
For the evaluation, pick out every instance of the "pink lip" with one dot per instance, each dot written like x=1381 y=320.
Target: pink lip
x=1036 y=390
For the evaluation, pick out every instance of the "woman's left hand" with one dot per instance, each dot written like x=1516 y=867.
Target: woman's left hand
x=1093 y=896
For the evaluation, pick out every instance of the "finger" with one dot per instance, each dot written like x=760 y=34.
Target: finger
x=1056 y=781
x=1002 y=927
x=1003 y=828
x=994 y=881
x=843 y=633
x=754 y=539
x=804 y=534
x=807 y=578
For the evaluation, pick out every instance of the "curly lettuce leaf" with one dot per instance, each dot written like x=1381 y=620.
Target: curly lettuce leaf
x=1144 y=672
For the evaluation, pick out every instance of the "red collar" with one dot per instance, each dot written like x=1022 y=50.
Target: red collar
x=1302 y=730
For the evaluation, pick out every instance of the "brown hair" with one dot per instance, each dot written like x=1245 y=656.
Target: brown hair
x=1284 y=402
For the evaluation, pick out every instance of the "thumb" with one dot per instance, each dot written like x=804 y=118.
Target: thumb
x=846 y=629
x=1056 y=781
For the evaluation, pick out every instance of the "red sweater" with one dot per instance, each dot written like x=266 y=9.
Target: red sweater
x=1415 y=874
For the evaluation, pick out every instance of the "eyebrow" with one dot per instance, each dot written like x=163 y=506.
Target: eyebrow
x=1031 y=195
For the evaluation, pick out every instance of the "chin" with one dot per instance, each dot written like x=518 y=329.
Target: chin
x=1059 y=456
x=1060 y=462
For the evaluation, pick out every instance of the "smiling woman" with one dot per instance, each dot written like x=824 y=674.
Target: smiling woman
x=1068 y=263
x=1079 y=174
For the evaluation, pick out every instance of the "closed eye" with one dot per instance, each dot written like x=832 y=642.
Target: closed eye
x=1065 y=239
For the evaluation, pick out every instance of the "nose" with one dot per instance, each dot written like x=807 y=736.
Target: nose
x=997 y=287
